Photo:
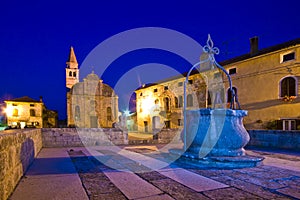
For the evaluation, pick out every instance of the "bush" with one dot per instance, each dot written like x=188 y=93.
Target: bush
x=272 y=125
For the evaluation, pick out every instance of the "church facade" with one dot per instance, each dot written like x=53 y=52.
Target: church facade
x=90 y=103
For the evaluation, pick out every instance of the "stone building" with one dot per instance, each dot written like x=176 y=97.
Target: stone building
x=27 y=112
x=160 y=105
x=90 y=103
x=266 y=81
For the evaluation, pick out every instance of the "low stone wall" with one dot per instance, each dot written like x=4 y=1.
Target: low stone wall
x=165 y=136
x=72 y=137
x=18 y=148
x=289 y=140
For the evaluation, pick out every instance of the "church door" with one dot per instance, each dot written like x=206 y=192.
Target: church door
x=93 y=121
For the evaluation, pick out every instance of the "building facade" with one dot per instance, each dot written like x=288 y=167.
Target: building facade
x=267 y=84
x=266 y=81
x=27 y=112
x=90 y=103
x=160 y=105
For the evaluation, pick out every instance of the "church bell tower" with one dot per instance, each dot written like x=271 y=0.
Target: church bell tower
x=72 y=71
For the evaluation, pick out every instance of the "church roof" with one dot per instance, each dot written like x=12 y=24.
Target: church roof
x=72 y=57
x=92 y=76
x=25 y=99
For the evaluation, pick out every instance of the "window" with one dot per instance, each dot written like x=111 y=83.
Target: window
x=155 y=90
x=14 y=104
x=288 y=125
x=77 y=113
x=167 y=124
x=179 y=122
x=208 y=98
x=70 y=74
x=288 y=87
x=287 y=57
x=190 y=81
x=180 y=102
x=232 y=71
x=109 y=113
x=74 y=74
x=31 y=105
x=32 y=112
x=141 y=94
x=166 y=88
x=229 y=94
x=180 y=84
x=167 y=104
x=15 y=112
x=217 y=75
x=176 y=102
x=189 y=100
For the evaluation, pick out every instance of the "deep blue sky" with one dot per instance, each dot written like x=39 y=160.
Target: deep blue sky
x=35 y=36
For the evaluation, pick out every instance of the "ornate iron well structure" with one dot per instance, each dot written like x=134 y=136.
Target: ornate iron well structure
x=216 y=136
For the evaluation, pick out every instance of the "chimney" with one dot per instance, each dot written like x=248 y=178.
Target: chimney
x=253 y=45
x=41 y=99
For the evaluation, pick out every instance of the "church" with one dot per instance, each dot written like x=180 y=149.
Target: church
x=90 y=103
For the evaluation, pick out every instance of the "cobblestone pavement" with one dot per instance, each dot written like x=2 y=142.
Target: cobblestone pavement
x=186 y=181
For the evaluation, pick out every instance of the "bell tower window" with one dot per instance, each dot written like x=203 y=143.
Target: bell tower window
x=74 y=74
x=70 y=74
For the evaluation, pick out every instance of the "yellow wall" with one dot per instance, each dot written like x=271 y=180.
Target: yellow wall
x=24 y=113
x=257 y=81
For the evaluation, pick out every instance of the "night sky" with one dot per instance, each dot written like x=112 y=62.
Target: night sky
x=35 y=36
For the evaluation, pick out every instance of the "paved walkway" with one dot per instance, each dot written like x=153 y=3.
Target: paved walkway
x=143 y=173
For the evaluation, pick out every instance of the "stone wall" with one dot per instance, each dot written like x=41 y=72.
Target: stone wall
x=18 y=148
x=165 y=136
x=72 y=137
x=289 y=140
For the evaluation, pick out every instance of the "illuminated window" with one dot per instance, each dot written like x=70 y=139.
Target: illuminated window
x=189 y=100
x=288 y=87
x=15 y=112
x=32 y=112
x=229 y=94
x=109 y=113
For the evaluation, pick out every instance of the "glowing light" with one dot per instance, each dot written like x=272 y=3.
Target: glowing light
x=9 y=111
x=147 y=105
x=126 y=112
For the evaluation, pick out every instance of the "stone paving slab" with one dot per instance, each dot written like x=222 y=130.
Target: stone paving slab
x=158 y=197
x=132 y=185
x=47 y=179
x=192 y=180
x=51 y=176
